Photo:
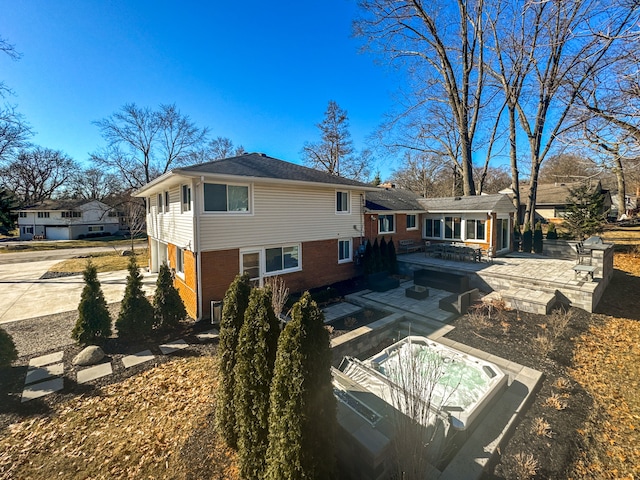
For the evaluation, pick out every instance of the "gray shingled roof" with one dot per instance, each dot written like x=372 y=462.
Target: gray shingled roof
x=478 y=203
x=550 y=193
x=259 y=165
x=393 y=199
x=67 y=204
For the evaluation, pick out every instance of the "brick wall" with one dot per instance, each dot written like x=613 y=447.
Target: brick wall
x=187 y=286
x=401 y=233
x=319 y=268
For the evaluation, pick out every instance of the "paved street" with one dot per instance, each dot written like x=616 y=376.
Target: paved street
x=24 y=295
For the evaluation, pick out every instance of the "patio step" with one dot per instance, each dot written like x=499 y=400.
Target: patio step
x=526 y=300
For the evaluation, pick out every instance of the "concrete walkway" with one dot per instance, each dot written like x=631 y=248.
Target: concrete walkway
x=24 y=295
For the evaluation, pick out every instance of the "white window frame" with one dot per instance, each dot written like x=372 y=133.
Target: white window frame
x=43 y=214
x=185 y=190
x=453 y=228
x=415 y=221
x=167 y=201
x=27 y=230
x=434 y=221
x=475 y=229
x=160 y=202
x=349 y=251
x=22 y=214
x=180 y=262
x=95 y=228
x=393 y=230
x=249 y=210
x=262 y=252
x=347 y=210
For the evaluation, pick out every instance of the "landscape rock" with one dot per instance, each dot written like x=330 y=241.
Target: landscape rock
x=126 y=253
x=89 y=356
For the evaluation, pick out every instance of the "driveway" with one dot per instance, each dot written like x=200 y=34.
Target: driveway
x=24 y=295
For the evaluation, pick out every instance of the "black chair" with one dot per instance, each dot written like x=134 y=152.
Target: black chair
x=582 y=253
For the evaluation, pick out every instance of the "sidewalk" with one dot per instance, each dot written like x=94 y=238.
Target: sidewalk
x=23 y=295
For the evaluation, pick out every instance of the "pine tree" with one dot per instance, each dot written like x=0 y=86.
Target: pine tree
x=234 y=305
x=8 y=203
x=585 y=214
x=552 y=234
x=368 y=259
x=8 y=351
x=256 y=355
x=393 y=259
x=384 y=255
x=537 y=238
x=527 y=238
x=376 y=256
x=94 y=321
x=302 y=416
x=167 y=303
x=136 y=313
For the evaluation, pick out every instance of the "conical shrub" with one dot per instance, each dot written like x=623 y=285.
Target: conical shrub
x=235 y=303
x=167 y=304
x=256 y=355
x=94 y=321
x=302 y=416
x=136 y=313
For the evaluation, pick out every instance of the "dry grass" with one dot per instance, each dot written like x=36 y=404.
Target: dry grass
x=139 y=428
x=541 y=427
x=104 y=262
x=113 y=241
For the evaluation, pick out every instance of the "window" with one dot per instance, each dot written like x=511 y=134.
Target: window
x=159 y=203
x=342 y=202
x=148 y=202
x=411 y=222
x=226 y=198
x=71 y=214
x=452 y=227
x=433 y=228
x=281 y=259
x=96 y=228
x=476 y=229
x=186 y=198
x=385 y=224
x=23 y=214
x=180 y=260
x=167 y=203
x=112 y=213
x=344 y=251
x=43 y=214
x=27 y=229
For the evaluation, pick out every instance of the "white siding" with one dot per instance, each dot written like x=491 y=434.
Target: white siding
x=280 y=215
x=172 y=227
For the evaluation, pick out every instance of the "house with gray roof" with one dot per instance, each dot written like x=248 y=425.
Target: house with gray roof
x=252 y=214
x=67 y=220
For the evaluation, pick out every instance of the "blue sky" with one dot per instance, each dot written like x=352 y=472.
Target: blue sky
x=260 y=73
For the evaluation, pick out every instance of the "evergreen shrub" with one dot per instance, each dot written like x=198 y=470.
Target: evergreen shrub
x=94 y=321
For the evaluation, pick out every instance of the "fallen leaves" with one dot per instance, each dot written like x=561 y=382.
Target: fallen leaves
x=134 y=429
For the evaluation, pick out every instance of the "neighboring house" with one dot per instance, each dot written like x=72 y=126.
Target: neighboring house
x=253 y=214
x=485 y=220
x=66 y=220
x=394 y=214
x=551 y=199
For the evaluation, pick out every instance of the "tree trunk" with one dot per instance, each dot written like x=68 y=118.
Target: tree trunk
x=619 y=173
x=513 y=154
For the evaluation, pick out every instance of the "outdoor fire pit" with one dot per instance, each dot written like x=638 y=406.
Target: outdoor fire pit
x=417 y=291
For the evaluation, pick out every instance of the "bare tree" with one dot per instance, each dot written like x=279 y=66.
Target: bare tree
x=334 y=153
x=94 y=184
x=567 y=167
x=143 y=143
x=279 y=293
x=425 y=175
x=14 y=132
x=10 y=50
x=570 y=43
x=443 y=44
x=38 y=174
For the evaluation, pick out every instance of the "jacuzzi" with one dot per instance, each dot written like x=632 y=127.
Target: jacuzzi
x=457 y=385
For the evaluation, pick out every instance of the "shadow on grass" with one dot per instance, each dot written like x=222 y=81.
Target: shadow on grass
x=620 y=297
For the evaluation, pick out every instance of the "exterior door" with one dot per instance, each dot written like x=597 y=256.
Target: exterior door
x=251 y=266
x=502 y=225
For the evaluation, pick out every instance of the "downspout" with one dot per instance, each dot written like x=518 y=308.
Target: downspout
x=196 y=248
x=494 y=221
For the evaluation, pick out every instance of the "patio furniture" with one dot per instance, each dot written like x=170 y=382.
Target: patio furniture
x=458 y=303
x=588 y=269
x=408 y=246
x=381 y=282
x=435 y=250
x=450 y=282
x=582 y=253
x=417 y=292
